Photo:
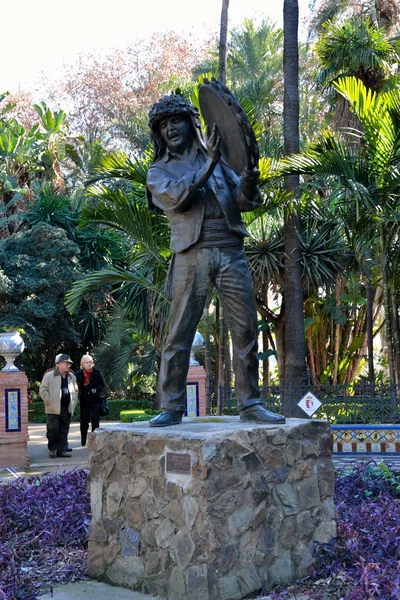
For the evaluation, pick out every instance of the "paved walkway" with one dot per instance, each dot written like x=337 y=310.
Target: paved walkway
x=82 y=590
x=40 y=461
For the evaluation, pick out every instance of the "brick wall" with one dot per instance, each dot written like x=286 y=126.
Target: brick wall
x=13 y=444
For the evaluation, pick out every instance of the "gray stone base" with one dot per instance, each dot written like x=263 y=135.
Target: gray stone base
x=211 y=509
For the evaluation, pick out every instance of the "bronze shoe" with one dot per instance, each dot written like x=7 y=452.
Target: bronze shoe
x=259 y=414
x=166 y=418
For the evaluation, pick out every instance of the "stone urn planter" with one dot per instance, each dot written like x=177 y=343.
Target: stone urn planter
x=198 y=342
x=11 y=345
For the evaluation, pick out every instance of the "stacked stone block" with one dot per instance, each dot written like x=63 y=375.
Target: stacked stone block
x=210 y=509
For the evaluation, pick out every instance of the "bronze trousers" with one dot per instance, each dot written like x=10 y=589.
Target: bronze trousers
x=192 y=274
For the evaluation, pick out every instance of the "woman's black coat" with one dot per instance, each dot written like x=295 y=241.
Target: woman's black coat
x=96 y=382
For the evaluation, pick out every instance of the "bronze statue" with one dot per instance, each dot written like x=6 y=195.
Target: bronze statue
x=202 y=198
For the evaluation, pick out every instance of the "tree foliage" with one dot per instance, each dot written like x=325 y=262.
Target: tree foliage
x=38 y=266
x=109 y=96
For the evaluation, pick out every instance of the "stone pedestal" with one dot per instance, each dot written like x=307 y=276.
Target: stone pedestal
x=211 y=509
x=13 y=419
x=196 y=391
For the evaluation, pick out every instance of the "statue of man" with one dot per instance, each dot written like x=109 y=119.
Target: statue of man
x=202 y=197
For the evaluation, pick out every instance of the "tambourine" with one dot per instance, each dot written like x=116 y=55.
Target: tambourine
x=238 y=143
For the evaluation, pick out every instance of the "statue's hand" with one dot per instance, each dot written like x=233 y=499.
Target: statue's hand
x=250 y=179
x=251 y=176
x=213 y=144
x=214 y=154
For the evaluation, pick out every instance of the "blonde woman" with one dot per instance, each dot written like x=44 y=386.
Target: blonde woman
x=91 y=389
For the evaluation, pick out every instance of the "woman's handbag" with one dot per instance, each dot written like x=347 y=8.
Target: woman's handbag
x=104 y=410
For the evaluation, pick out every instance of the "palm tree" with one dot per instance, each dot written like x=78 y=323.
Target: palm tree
x=128 y=360
x=368 y=179
x=323 y=258
x=20 y=153
x=383 y=13
x=294 y=368
x=356 y=47
x=223 y=38
x=30 y=157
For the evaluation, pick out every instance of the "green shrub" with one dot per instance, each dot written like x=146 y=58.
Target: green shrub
x=130 y=416
x=36 y=413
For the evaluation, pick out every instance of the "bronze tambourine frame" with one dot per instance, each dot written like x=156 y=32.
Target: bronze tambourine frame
x=238 y=143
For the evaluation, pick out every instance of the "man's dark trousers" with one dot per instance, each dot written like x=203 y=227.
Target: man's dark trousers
x=57 y=430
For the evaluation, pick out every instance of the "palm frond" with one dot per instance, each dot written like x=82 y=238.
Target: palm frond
x=356 y=46
x=116 y=353
x=323 y=253
x=379 y=114
x=266 y=259
x=116 y=209
x=119 y=165
x=99 y=279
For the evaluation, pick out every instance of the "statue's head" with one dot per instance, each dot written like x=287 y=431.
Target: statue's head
x=169 y=106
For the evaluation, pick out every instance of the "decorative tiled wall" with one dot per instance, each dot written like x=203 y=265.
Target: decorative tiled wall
x=193 y=399
x=366 y=439
x=12 y=399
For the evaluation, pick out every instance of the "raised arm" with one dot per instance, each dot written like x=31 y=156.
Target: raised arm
x=174 y=190
x=213 y=156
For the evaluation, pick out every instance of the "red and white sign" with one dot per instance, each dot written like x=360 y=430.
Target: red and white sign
x=309 y=403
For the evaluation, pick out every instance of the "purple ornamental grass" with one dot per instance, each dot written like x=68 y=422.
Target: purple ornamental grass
x=44 y=525
x=367 y=501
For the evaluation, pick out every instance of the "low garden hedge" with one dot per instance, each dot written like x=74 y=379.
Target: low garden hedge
x=130 y=416
x=36 y=412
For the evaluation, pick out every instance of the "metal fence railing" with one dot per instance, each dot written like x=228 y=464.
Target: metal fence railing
x=348 y=403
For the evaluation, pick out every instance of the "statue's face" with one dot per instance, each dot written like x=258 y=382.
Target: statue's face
x=176 y=131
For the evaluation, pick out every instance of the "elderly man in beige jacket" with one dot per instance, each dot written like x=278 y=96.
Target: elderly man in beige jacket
x=59 y=391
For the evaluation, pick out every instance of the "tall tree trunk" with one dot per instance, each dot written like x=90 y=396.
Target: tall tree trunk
x=370 y=337
x=337 y=333
x=396 y=335
x=223 y=39
x=265 y=362
x=280 y=351
x=294 y=317
x=388 y=319
x=308 y=309
x=207 y=355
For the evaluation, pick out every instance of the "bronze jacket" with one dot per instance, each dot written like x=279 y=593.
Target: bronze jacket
x=50 y=391
x=168 y=189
